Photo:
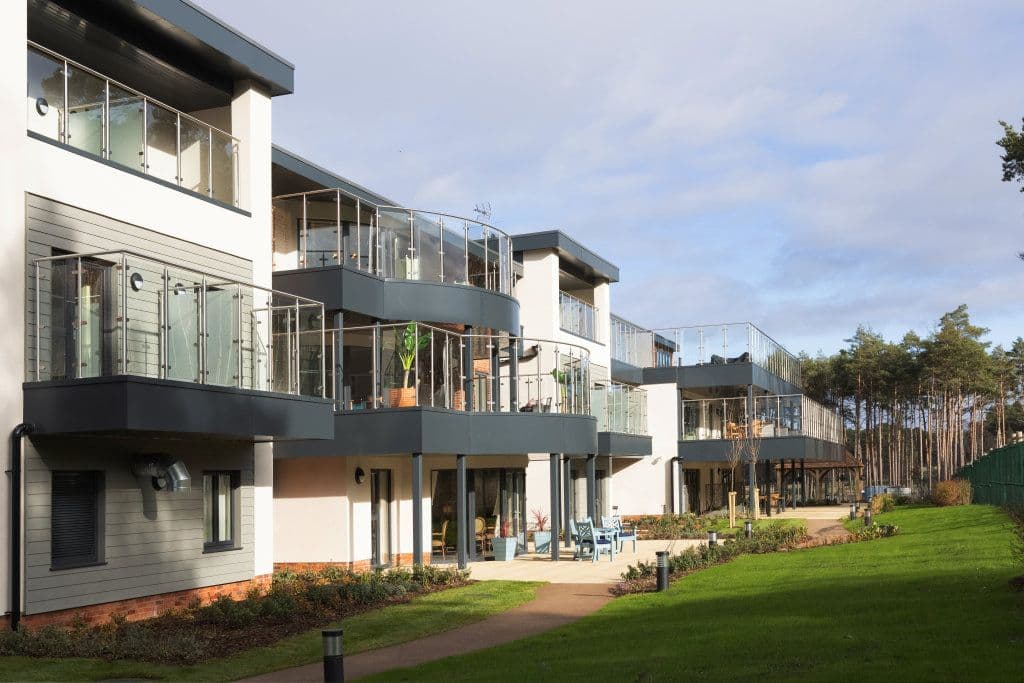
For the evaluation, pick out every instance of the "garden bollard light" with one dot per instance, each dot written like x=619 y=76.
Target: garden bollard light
x=712 y=538
x=662 y=570
x=867 y=517
x=334 y=660
x=748 y=529
x=853 y=511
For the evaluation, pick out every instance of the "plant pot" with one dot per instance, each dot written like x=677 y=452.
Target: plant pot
x=541 y=541
x=403 y=398
x=504 y=548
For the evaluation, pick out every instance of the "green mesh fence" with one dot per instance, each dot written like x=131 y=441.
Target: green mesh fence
x=998 y=478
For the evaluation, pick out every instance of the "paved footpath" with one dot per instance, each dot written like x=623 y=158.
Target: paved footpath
x=556 y=604
x=824 y=531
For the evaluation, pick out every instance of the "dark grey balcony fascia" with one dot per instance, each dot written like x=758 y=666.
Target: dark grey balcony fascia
x=626 y=373
x=775 y=449
x=400 y=431
x=126 y=403
x=343 y=288
x=723 y=375
x=623 y=445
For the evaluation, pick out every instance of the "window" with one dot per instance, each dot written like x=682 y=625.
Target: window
x=76 y=519
x=220 y=510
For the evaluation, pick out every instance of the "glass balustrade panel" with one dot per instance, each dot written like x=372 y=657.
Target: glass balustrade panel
x=126 y=128
x=195 y=156
x=224 y=153
x=87 y=96
x=161 y=143
x=45 y=96
x=182 y=326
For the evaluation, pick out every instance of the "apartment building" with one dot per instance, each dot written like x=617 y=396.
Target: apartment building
x=716 y=392
x=228 y=358
x=149 y=365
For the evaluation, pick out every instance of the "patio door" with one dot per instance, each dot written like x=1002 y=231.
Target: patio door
x=380 y=518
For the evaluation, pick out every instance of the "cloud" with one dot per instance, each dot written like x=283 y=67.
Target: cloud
x=809 y=166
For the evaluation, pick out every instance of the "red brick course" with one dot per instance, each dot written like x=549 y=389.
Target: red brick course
x=145 y=607
x=401 y=560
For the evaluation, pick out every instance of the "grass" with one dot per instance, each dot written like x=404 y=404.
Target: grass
x=721 y=525
x=378 y=628
x=929 y=604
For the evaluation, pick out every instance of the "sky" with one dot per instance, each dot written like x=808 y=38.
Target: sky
x=807 y=166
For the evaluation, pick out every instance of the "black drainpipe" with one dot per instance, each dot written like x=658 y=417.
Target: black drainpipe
x=21 y=430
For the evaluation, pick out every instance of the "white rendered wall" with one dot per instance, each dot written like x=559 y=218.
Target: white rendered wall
x=13 y=33
x=642 y=485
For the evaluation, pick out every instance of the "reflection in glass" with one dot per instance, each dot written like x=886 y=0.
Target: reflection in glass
x=87 y=97
x=45 y=97
x=161 y=142
x=221 y=335
x=195 y=156
x=182 y=328
x=125 y=128
x=223 y=181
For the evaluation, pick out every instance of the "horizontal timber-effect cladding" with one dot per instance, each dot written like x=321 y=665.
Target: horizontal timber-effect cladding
x=54 y=226
x=151 y=541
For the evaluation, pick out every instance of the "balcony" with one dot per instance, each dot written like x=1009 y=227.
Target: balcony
x=621 y=412
x=71 y=104
x=331 y=227
x=578 y=317
x=620 y=408
x=412 y=387
x=207 y=354
x=779 y=424
x=632 y=344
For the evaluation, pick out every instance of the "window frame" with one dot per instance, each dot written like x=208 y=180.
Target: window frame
x=97 y=557
x=232 y=541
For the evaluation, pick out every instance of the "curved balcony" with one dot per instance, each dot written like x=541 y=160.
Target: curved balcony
x=412 y=387
x=335 y=247
x=119 y=341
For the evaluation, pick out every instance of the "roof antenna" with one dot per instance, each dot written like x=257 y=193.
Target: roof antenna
x=483 y=211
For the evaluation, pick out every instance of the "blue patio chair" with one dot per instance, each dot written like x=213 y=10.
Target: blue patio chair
x=622 y=533
x=574 y=536
x=599 y=540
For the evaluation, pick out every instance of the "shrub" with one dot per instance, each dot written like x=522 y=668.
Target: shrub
x=667 y=527
x=883 y=502
x=1016 y=513
x=952 y=492
x=869 y=533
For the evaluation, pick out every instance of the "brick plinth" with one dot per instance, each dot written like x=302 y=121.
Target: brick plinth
x=402 y=560
x=145 y=607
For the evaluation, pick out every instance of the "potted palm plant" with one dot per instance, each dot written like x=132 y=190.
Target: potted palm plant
x=407 y=344
x=541 y=534
x=505 y=544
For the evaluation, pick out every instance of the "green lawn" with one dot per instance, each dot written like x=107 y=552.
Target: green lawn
x=931 y=604
x=388 y=626
x=721 y=525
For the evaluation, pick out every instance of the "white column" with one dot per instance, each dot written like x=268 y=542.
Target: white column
x=263 y=508
x=250 y=123
x=13 y=33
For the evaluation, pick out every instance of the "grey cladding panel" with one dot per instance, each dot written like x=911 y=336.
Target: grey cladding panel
x=153 y=540
x=780 y=448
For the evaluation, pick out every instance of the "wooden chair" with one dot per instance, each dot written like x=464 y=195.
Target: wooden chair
x=734 y=430
x=482 y=536
x=439 y=540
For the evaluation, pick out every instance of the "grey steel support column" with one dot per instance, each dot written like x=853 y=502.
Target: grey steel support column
x=417 y=508
x=803 y=482
x=471 y=518
x=467 y=366
x=495 y=376
x=339 y=348
x=592 y=487
x=751 y=465
x=769 y=483
x=553 y=459
x=567 y=493
x=460 y=509
x=514 y=349
x=684 y=499
x=672 y=498
x=792 y=483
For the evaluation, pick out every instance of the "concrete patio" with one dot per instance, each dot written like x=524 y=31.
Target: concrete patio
x=534 y=567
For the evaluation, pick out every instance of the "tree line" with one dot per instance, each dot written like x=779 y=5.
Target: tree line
x=917 y=409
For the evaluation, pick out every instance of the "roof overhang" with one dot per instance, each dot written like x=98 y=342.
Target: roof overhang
x=592 y=265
